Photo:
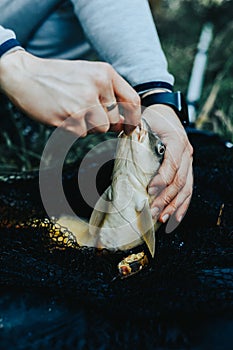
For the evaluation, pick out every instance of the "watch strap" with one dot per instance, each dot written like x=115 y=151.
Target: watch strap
x=175 y=100
x=144 y=87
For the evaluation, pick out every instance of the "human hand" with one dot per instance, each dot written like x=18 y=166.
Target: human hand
x=172 y=186
x=71 y=94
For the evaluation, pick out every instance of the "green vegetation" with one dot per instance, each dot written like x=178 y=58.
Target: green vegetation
x=179 y=24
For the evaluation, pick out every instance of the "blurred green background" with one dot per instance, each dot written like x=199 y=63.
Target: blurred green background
x=179 y=23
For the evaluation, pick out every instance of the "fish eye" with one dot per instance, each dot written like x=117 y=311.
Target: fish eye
x=160 y=148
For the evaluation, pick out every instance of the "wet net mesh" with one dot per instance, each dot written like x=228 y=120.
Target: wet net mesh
x=192 y=269
x=35 y=251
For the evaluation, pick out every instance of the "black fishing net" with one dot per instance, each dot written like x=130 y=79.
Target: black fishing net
x=64 y=296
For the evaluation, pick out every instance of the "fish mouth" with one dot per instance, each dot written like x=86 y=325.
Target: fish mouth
x=139 y=135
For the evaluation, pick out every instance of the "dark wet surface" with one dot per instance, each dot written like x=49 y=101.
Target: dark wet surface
x=41 y=321
x=69 y=300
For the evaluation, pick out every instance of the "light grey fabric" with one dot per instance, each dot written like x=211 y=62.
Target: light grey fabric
x=121 y=31
x=60 y=36
x=25 y=16
x=124 y=34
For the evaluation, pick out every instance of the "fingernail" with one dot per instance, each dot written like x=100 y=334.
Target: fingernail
x=180 y=218
x=165 y=218
x=152 y=190
x=154 y=212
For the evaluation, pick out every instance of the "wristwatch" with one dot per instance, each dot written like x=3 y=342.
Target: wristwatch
x=175 y=100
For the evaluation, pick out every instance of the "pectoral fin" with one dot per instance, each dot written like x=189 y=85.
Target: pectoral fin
x=146 y=227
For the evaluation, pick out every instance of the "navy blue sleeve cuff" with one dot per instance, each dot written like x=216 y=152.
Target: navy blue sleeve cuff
x=8 y=45
x=142 y=88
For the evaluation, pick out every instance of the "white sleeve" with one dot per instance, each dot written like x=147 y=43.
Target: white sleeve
x=123 y=33
x=6 y=34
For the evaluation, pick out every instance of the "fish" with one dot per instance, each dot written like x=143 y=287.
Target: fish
x=121 y=218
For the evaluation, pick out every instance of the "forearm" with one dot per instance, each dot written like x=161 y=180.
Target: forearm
x=124 y=34
x=8 y=43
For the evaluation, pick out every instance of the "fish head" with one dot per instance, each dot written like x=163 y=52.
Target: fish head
x=143 y=150
x=122 y=217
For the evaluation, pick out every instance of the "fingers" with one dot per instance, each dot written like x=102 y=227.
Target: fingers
x=172 y=203
x=172 y=186
x=118 y=127
x=129 y=100
x=167 y=171
x=75 y=124
x=100 y=104
x=121 y=92
x=97 y=119
x=83 y=122
x=167 y=191
x=110 y=105
x=179 y=197
x=112 y=112
x=177 y=217
x=110 y=92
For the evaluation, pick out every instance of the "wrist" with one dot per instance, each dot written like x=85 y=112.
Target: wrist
x=10 y=67
x=160 y=92
x=174 y=100
x=162 y=118
x=9 y=45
